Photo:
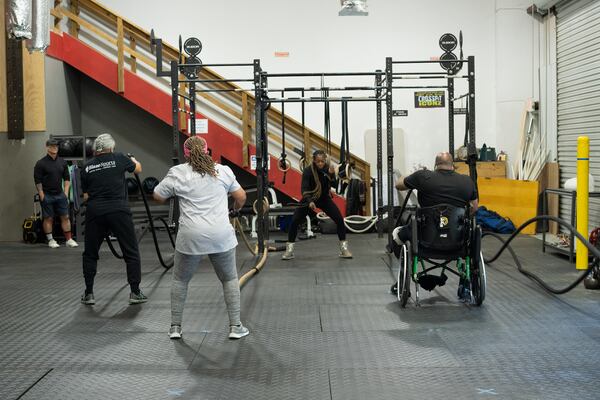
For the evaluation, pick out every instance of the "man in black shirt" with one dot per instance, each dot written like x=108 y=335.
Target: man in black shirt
x=442 y=185
x=316 y=192
x=104 y=189
x=48 y=174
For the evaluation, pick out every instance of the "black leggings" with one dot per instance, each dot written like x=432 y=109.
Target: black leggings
x=96 y=229
x=326 y=204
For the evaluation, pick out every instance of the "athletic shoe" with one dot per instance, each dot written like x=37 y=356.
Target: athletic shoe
x=137 y=298
x=71 y=243
x=88 y=299
x=175 y=332
x=289 y=251
x=52 y=244
x=344 y=251
x=238 y=331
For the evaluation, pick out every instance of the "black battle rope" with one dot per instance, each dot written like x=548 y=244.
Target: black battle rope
x=152 y=229
x=505 y=245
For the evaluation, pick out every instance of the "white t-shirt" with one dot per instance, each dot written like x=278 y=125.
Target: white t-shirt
x=204 y=226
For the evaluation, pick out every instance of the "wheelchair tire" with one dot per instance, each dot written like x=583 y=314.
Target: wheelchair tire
x=478 y=281
x=478 y=276
x=404 y=278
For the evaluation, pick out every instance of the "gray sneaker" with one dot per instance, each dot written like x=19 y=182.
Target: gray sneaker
x=289 y=251
x=137 y=298
x=88 y=299
x=238 y=331
x=344 y=250
x=175 y=332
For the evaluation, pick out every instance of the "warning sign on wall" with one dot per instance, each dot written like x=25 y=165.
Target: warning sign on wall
x=434 y=99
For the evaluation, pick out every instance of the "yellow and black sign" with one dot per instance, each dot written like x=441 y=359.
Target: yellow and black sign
x=434 y=99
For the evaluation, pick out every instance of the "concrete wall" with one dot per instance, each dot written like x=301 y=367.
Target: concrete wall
x=17 y=158
x=134 y=130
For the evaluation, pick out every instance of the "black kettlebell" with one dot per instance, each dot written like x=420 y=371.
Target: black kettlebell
x=592 y=281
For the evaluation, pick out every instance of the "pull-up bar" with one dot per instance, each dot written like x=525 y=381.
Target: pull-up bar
x=304 y=74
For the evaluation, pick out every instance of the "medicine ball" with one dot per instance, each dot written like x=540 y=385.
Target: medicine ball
x=132 y=186
x=149 y=184
x=66 y=148
x=89 y=146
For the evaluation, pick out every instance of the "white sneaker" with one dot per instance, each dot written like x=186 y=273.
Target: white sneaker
x=52 y=244
x=175 y=332
x=238 y=331
x=71 y=243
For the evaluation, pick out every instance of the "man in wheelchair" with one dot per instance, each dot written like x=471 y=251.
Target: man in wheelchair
x=443 y=229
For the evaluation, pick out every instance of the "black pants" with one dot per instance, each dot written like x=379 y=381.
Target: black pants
x=121 y=226
x=326 y=204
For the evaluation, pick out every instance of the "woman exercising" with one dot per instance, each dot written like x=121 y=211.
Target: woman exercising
x=202 y=187
x=316 y=193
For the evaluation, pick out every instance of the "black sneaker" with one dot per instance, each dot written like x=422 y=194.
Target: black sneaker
x=137 y=298
x=88 y=299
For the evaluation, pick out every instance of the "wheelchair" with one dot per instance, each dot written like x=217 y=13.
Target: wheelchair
x=440 y=235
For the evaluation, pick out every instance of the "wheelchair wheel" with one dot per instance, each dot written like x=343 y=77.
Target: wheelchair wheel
x=478 y=277
x=404 y=274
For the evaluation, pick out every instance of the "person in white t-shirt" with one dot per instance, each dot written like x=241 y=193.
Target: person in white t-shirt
x=202 y=187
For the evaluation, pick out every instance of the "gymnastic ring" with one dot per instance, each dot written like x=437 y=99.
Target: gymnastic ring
x=265 y=205
x=302 y=163
x=283 y=164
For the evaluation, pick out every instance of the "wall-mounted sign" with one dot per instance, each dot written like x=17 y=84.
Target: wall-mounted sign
x=400 y=113
x=201 y=125
x=458 y=111
x=253 y=163
x=433 y=99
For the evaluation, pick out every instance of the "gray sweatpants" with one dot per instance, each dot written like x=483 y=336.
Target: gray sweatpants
x=184 y=268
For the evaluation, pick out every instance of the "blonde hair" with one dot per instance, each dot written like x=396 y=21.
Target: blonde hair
x=200 y=161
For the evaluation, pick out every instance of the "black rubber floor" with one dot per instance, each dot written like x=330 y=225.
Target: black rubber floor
x=321 y=328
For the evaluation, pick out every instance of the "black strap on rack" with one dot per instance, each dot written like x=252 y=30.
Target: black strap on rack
x=283 y=163
x=327 y=127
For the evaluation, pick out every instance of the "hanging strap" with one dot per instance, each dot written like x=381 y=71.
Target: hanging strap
x=327 y=127
x=303 y=156
x=283 y=164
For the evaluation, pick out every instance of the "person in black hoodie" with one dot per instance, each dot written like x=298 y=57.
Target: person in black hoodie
x=316 y=193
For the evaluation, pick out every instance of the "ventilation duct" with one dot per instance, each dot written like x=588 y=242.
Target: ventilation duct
x=18 y=19
x=40 y=39
x=353 y=8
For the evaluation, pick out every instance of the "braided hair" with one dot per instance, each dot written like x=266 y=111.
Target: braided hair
x=198 y=158
x=315 y=193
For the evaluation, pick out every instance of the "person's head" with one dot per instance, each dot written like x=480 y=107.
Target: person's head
x=195 y=150
x=444 y=162
x=320 y=159
x=104 y=143
x=52 y=147
x=187 y=145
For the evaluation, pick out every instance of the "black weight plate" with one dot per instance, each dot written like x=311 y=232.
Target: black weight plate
x=446 y=61
x=448 y=42
x=192 y=71
x=192 y=46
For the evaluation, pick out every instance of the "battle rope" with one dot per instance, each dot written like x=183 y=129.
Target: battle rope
x=506 y=245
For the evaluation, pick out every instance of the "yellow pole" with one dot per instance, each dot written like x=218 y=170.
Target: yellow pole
x=583 y=170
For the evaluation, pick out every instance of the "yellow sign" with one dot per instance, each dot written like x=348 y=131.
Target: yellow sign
x=435 y=99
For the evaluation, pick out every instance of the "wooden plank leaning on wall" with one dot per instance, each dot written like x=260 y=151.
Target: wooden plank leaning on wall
x=34 y=85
